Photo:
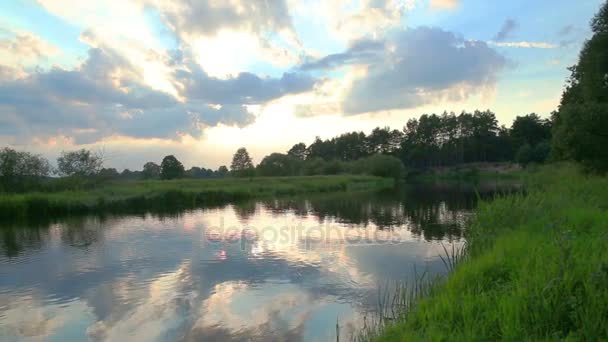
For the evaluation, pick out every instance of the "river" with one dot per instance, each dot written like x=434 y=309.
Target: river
x=269 y=270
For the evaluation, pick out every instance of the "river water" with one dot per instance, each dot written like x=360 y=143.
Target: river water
x=269 y=270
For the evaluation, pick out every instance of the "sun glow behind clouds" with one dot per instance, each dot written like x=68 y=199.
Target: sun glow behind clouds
x=227 y=53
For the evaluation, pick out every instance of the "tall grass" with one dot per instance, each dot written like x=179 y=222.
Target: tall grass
x=536 y=268
x=138 y=196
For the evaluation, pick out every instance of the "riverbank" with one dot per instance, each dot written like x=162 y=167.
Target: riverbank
x=536 y=268
x=471 y=172
x=141 y=196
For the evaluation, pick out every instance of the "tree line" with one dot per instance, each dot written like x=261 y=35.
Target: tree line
x=578 y=131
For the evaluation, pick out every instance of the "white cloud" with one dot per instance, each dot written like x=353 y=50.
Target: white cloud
x=525 y=45
x=24 y=49
x=444 y=4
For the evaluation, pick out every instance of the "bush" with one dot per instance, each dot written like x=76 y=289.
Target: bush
x=381 y=166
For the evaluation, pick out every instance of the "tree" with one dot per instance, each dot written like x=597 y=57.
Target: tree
x=241 y=163
x=530 y=129
x=278 y=164
x=580 y=128
x=171 y=168
x=151 y=170
x=381 y=166
x=581 y=134
x=298 y=151
x=106 y=174
x=222 y=171
x=21 y=170
x=81 y=163
x=524 y=155
x=199 y=172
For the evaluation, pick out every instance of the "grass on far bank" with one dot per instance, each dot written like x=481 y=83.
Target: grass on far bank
x=138 y=196
x=469 y=173
x=536 y=268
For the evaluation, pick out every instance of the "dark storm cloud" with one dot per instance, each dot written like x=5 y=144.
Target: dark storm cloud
x=103 y=97
x=422 y=66
x=507 y=28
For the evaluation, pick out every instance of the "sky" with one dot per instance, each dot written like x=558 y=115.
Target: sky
x=137 y=80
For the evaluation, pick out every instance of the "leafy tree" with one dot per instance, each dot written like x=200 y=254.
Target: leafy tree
x=130 y=175
x=530 y=129
x=348 y=146
x=171 y=168
x=199 y=172
x=324 y=149
x=21 y=170
x=278 y=164
x=241 y=163
x=107 y=174
x=313 y=166
x=541 y=152
x=222 y=171
x=81 y=163
x=524 y=155
x=298 y=151
x=381 y=166
x=581 y=134
x=581 y=125
x=151 y=171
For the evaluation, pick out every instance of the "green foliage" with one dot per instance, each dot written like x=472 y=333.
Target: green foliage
x=381 y=166
x=80 y=163
x=142 y=196
x=222 y=171
x=599 y=23
x=298 y=151
x=530 y=129
x=278 y=164
x=21 y=171
x=450 y=139
x=151 y=171
x=524 y=155
x=581 y=125
x=536 y=268
x=581 y=134
x=171 y=168
x=242 y=166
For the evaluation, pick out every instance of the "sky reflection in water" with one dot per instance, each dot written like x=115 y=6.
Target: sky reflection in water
x=268 y=270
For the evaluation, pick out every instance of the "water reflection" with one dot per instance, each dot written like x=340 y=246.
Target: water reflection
x=278 y=269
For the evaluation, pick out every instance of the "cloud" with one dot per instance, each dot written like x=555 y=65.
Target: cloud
x=507 y=28
x=526 y=45
x=206 y=17
x=105 y=96
x=367 y=18
x=23 y=48
x=415 y=67
x=244 y=88
x=566 y=30
x=360 y=52
x=444 y=4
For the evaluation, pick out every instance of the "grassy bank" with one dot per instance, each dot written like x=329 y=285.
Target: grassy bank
x=138 y=196
x=536 y=268
x=469 y=173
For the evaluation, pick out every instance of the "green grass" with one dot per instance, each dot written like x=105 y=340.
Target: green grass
x=465 y=176
x=536 y=268
x=138 y=196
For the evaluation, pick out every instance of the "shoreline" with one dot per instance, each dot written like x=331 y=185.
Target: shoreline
x=168 y=196
x=535 y=268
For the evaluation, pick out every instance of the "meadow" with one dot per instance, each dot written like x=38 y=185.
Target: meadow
x=535 y=268
x=157 y=195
